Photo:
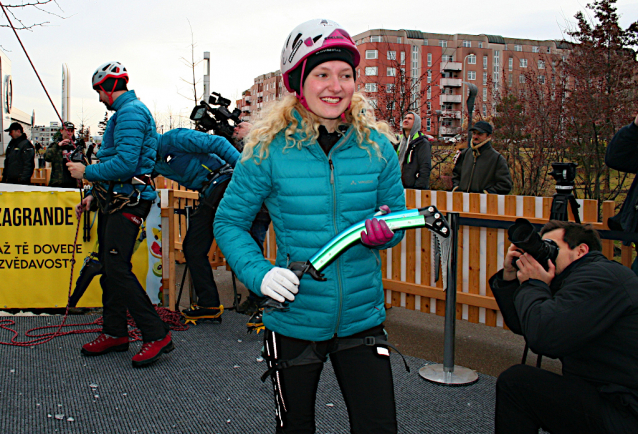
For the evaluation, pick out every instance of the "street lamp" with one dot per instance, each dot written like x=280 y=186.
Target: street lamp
x=463 y=89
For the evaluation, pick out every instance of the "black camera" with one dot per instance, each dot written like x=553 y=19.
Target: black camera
x=217 y=119
x=564 y=174
x=73 y=152
x=524 y=236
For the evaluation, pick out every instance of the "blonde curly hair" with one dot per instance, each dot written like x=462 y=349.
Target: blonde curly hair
x=280 y=117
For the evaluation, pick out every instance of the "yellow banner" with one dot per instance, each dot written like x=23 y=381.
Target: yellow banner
x=37 y=230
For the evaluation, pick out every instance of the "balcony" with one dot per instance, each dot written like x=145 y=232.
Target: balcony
x=451 y=82
x=245 y=109
x=451 y=66
x=449 y=131
x=247 y=98
x=451 y=114
x=455 y=99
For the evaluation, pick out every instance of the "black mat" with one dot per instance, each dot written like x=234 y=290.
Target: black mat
x=209 y=384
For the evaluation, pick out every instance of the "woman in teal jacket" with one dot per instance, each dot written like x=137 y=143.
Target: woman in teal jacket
x=320 y=163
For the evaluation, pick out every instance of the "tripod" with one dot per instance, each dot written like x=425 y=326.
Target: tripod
x=564 y=196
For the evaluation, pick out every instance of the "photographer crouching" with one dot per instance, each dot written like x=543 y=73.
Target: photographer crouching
x=569 y=302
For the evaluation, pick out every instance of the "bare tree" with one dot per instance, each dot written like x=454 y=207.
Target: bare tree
x=16 y=12
x=191 y=64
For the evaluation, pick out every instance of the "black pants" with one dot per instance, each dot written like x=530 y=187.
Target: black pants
x=197 y=242
x=364 y=376
x=120 y=288
x=529 y=398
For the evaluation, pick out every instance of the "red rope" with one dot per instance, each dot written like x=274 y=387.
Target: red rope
x=168 y=316
x=173 y=319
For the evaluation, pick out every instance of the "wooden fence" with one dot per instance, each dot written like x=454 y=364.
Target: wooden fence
x=408 y=268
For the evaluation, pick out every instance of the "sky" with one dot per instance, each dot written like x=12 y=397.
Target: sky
x=153 y=39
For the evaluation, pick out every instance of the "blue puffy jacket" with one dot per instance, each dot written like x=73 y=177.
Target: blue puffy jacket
x=188 y=156
x=128 y=149
x=312 y=197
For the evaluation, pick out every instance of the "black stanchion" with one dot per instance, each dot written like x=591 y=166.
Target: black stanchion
x=448 y=373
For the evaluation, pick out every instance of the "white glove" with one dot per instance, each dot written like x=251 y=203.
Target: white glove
x=280 y=284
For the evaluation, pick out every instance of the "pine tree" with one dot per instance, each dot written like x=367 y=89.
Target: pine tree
x=102 y=124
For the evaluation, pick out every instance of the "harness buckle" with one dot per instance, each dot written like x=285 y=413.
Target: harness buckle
x=369 y=341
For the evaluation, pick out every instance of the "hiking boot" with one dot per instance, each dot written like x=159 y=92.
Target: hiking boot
x=195 y=313
x=151 y=351
x=248 y=307
x=256 y=322
x=105 y=344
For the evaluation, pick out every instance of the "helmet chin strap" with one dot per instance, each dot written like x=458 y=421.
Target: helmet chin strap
x=302 y=98
x=110 y=94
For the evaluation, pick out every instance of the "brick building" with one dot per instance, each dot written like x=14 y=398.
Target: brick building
x=403 y=70
x=267 y=89
x=410 y=69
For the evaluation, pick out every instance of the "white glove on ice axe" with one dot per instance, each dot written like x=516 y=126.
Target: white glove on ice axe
x=280 y=284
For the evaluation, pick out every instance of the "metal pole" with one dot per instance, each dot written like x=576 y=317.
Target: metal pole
x=448 y=373
x=450 y=296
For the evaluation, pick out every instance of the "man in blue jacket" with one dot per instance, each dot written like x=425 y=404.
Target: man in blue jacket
x=204 y=163
x=124 y=198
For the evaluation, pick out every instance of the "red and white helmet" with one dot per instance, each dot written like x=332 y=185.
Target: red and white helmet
x=309 y=38
x=106 y=71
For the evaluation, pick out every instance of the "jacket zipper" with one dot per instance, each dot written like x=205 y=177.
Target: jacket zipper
x=472 y=175
x=334 y=224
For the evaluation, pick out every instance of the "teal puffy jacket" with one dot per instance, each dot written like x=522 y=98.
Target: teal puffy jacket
x=128 y=149
x=312 y=197
x=188 y=156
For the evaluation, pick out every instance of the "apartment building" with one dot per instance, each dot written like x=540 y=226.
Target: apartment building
x=403 y=70
x=267 y=89
x=43 y=134
x=410 y=69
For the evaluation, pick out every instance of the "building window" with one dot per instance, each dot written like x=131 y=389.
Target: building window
x=429 y=59
x=429 y=105
x=443 y=43
x=392 y=55
x=471 y=59
x=392 y=72
x=518 y=48
x=471 y=75
x=510 y=63
x=371 y=87
x=372 y=54
x=447 y=58
x=389 y=88
x=399 y=40
x=428 y=93
x=373 y=103
x=536 y=49
x=541 y=79
x=371 y=70
x=402 y=57
x=429 y=76
x=376 y=38
x=541 y=64
x=521 y=78
x=467 y=44
x=480 y=45
x=484 y=62
x=428 y=124
x=523 y=63
x=484 y=78
x=484 y=94
x=509 y=79
x=505 y=47
x=484 y=110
